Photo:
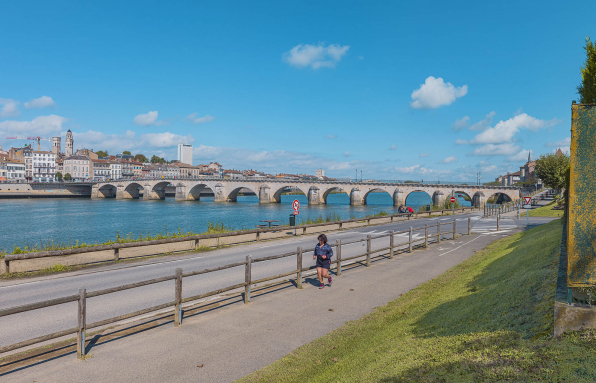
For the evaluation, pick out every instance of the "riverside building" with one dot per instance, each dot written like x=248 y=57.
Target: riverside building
x=80 y=168
x=185 y=154
x=44 y=166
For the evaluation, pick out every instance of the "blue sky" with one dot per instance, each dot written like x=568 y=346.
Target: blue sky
x=399 y=90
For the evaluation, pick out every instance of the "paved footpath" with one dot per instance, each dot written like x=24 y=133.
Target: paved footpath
x=231 y=339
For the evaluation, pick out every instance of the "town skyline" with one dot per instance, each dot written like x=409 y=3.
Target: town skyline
x=330 y=97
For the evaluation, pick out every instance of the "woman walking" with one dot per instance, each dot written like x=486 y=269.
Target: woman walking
x=323 y=254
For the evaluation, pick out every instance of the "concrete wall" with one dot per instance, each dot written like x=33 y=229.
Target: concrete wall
x=56 y=190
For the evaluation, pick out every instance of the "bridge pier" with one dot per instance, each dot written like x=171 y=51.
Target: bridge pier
x=439 y=198
x=265 y=195
x=122 y=193
x=478 y=200
x=181 y=193
x=153 y=194
x=399 y=198
x=315 y=197
x=95 y=193
x=220 y=194
x=356 y=197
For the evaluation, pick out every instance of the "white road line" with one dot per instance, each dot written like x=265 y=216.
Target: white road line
x=440 y=255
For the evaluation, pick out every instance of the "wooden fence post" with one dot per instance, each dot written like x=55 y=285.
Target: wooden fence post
x=469 y=225
x=82 y=319
x=368 y=243
x=498 y=219
x=247 y=279
x=178 y=299
x=258 y=236
x=438 y=232
x=338 y=257
x=391 y=244
x=196 y=244
x=426 y=235
x=299 y=267
x=410 y=250
x=454 y=227
x=116 y=255
x=303 y=230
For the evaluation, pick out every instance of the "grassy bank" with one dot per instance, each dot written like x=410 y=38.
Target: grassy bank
x=488 y=319
x=546 y=211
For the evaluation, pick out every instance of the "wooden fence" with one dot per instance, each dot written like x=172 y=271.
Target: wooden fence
x=178 y=277
x=117 y=247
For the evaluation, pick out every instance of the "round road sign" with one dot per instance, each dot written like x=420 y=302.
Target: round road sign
x=296 y=205
x=452 y=199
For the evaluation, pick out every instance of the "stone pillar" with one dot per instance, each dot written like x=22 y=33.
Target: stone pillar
x=265 y=195
x=439 y=198
x=478 y=200
x=220 y=194
x=356 y=197
x=122 y=193
x=181 y=193
x=150 y=193
x=315 y=197
x=95 y=193
x=399 y=197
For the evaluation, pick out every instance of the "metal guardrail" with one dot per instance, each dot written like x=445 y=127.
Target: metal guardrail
x=82 y=295
x=115 y=247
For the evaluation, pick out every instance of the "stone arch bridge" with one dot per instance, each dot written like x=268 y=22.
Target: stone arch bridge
x=270 y=191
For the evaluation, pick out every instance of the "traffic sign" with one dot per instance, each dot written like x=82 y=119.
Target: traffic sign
x=296 y=206
x=452 y=199
x=528 y=201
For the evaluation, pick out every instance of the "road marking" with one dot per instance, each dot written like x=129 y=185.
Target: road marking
x=440 y=255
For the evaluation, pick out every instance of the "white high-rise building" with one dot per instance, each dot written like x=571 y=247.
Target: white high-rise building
x=185 y=154
x=320 y=173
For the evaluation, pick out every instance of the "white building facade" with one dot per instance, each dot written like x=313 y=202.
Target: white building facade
x=15 y=171
x=44 y=166
x=185 y=154
x=80 y=168
x=115 y=170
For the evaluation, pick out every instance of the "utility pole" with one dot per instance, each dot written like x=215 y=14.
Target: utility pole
x=360 y=175
x=356 y=175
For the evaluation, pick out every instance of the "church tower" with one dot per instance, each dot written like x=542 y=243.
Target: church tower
x=68 y=144
x=56 y=145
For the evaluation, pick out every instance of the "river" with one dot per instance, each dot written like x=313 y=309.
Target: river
x=68 y=220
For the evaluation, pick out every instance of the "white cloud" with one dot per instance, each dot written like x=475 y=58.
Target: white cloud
x=39 y=103
x=148 y=119
x=564 y=142
x=315 y=56
x=331 y=136
x=522 y=156
x=347 y=154
x=39 y=126
x=459 y=141
x=483 y=124
x=9 y=108
x=393 y=147
x=497 y=150
x=129 y=140
x=435 y=93
x=424 y=155
x=449 y=160
x=504 y=131
x=195 y=119
x=460 y=124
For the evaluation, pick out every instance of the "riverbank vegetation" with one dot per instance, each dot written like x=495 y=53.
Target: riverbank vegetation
x=488 y=319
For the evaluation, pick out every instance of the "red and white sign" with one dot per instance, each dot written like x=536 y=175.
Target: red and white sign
x=452 y=199
x=296 y=206
x=528 y=200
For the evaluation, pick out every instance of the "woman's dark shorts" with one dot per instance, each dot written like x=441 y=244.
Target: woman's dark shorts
x=325 y=263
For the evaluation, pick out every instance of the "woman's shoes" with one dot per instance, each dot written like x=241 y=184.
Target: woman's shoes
x=322 y=286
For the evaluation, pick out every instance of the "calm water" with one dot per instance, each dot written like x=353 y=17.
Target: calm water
x=29 y=221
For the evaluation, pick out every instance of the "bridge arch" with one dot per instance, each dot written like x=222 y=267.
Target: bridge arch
x=108 y=191
x=232 y=195
x=334 y=190
x=132 y=190
x=194 y=194
x=377 y=190
x=276 y=196
x=466 y=196
x=425 y=198
x=499 y=198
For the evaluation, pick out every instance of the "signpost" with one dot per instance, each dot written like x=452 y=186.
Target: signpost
x=452 y=199
x=528 y=206
x=296 y=207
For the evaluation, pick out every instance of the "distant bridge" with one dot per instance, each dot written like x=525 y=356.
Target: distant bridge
x=270 y=190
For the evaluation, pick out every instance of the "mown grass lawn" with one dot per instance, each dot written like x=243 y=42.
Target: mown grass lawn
x=546 y=211
x=489 y=319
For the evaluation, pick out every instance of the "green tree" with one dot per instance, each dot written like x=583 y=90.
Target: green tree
x=126 y=152
x=67 y=177
x=551 y=168
x=493 y=183
x=157 y=160
x=587 y=88
x=59 y=176
x=141 y=158
x=102 y=153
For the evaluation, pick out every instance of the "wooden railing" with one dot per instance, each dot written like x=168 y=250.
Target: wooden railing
x=116 y=247
x=178 y=277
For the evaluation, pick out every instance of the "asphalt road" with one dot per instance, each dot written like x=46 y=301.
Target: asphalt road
x=19 y=327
